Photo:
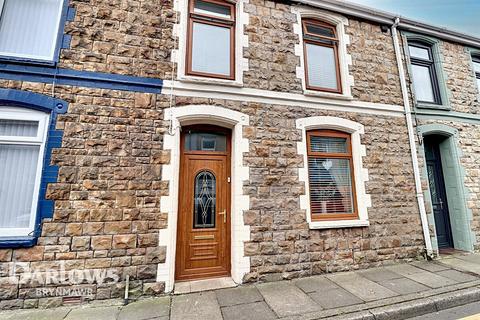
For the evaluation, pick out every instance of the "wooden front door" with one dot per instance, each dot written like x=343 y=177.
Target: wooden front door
x=203 y=240
x=438 y=193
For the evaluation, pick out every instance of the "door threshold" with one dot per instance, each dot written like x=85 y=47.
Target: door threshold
x=203 y=285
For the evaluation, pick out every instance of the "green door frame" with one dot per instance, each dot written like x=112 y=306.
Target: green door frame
x=457 y=193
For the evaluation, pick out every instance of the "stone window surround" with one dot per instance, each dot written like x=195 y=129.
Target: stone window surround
x=345 y=59
x=360 y=174
x=452 y=135
x=474 y=53
x=440 y=73
x=241 y=41
x=240 y=233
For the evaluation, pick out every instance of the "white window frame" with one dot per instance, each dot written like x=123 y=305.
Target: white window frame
x=22 y=114
x=360 y=174
x=55 y=42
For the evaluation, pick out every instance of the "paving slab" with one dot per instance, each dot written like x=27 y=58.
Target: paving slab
x=89 y=313
x=317 y=283
x=462 y=264
x=430 y=266
x=240 y=295
x=429 y=279
x=335 y=298
x=362 y=287
x=403 y=285
x=203 y=305
x=474 y=258
x=286 y=299
x=457 y=275
x=379 y=274
x=405 y=269
x=145 y=309
x=249 y=311
x=50 y=314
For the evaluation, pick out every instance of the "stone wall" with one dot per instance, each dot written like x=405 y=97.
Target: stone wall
x=106 y=215
x=282 y=246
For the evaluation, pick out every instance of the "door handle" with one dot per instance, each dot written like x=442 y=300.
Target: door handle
x=224 y=214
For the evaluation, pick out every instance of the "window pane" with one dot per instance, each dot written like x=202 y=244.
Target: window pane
x=212 y=9
x=478 y=82
x=319 y=30
x=17 y=182
x=476 y=66
x=328 y=144
x=322 y=67
x=422 y=83
x=211 y=49
x=18 y=128
x=330 y=186
x=205 y=200
x=29 y=28
x=201 y=141
x=417 y=52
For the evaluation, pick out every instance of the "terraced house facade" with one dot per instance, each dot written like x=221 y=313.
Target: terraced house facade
x=254 y=140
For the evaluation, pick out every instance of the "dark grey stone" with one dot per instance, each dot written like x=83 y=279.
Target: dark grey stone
x=240 y=295
x=403 y=285
x=335 y=298
x=249 y=311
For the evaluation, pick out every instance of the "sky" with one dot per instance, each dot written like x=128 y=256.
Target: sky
x=458 y=15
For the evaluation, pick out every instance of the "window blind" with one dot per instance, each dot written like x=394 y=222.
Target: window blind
x=422 y=82
x=330 y=174
x=29 y=28
x=321 y=66
x=17 y=182
x=211 y=49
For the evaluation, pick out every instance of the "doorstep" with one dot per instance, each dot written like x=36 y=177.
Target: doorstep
x=203 y=285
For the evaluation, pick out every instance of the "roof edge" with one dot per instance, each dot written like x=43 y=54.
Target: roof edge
x=383 y=17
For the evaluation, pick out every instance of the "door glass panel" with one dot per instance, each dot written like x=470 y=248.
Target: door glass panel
x=204 y=201
x=431 y=182
x=205 y=141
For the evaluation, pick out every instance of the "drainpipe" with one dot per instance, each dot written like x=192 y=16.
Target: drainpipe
x=411 y=139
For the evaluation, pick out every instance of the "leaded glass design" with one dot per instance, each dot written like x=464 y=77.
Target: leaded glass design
x=204 y=200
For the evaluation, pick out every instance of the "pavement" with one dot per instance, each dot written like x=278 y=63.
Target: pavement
x=399 y=291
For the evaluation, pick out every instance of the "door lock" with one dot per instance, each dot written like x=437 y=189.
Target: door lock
x=224 y=214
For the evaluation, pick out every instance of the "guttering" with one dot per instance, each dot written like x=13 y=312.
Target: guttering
x=382 y=17
x=411 y=140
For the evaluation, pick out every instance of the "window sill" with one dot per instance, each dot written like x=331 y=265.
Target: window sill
x=433 y=106
x=201 y=80
x=17 y=242
x=338 y=224
x=30 y=61
x=319 y=94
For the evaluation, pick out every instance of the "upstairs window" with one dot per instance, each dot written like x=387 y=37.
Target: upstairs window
x=320 y=46
x=29 y=28
x=22 y=143
x=211 y=39
x=476 y=69
x=330 y=171
x=424 y=74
